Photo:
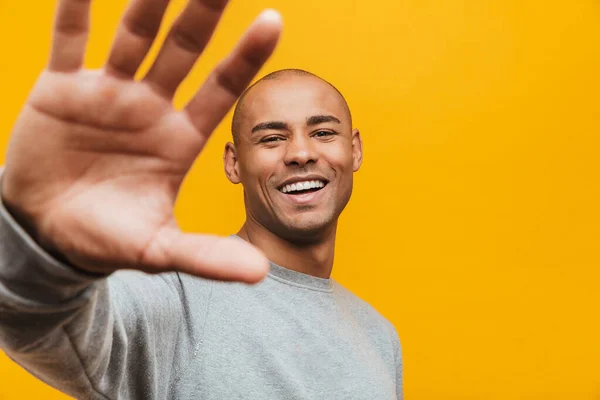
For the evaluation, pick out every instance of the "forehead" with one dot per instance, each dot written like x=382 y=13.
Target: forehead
x=292 y=99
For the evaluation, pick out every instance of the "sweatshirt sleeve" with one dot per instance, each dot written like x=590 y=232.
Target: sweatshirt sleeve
x=399 y=369
x=121 y=336
x=399 y=365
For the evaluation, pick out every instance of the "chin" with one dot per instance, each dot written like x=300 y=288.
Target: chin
x=307 y=230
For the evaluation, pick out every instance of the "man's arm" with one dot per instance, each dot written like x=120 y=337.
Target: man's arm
x=89 y=336
x=399 y=371
x=94 y=167
x=398 y=361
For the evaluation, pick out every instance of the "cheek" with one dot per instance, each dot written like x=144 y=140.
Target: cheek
x=340 y=158
x=341 y=161
x=257 y=166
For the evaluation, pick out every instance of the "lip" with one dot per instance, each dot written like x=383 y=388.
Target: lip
x=296 y=179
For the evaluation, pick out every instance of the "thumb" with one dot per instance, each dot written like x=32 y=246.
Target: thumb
x=207 y=256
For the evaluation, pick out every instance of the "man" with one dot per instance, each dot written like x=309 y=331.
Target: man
x=92 y=173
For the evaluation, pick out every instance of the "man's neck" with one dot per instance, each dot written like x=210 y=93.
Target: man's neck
x=314 y=258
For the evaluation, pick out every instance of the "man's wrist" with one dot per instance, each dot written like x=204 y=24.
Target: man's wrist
x=29 y=228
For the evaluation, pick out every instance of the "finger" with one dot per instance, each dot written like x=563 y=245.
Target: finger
x=184 y=44
x=135 y=35
x=229 y=79
x=226 y=259
x=71 y=29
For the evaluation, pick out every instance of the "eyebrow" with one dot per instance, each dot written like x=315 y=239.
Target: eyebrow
x=274 y=125
x=321 y=119
x=280 y=125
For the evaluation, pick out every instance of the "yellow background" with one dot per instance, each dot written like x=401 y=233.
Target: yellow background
x=475 y=223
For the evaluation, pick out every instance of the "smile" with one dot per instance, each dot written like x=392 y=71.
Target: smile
x=303 y=187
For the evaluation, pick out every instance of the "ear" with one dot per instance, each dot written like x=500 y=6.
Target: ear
x=230 y=162
x=357 y=151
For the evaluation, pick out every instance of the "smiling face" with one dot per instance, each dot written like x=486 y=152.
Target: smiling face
x=295 y=155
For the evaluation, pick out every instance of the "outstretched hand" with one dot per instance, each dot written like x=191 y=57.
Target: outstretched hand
x=97 y=158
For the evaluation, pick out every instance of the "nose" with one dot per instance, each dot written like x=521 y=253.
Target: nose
x=300 y=151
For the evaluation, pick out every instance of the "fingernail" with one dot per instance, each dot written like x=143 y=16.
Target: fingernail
x=270 y=15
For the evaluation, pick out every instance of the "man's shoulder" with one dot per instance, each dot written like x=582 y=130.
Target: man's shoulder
x=362 y=309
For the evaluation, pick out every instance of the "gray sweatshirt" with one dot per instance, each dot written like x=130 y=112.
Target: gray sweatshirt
x=173 y=336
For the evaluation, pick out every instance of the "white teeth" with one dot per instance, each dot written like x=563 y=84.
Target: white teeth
x=298 y=186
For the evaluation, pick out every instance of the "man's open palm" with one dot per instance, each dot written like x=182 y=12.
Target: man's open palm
x=97 y=158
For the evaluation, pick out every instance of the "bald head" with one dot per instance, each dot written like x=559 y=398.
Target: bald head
x=241 y=106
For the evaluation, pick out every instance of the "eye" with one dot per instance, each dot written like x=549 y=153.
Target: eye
x=270 y=139
x=321 y=134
